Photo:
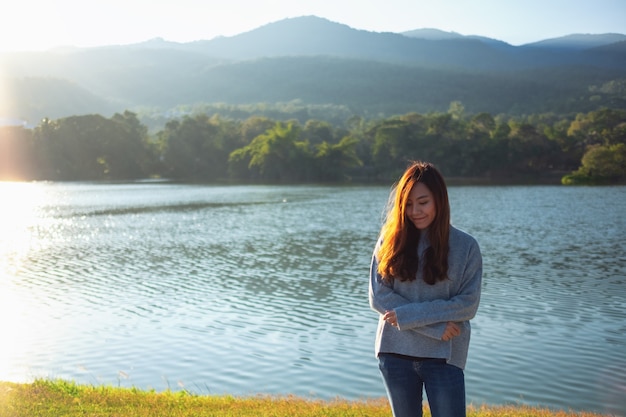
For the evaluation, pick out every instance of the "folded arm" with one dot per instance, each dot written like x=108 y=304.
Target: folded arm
x=383 y=299
x=461 y=307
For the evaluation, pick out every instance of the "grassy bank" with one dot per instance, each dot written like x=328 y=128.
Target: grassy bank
x=44 y=398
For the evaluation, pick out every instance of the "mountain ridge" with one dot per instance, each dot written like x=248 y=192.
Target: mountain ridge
x=311 y=35
x=426 y=72
x=576 y=40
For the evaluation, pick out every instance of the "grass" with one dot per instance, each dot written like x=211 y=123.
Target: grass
x=45 y=398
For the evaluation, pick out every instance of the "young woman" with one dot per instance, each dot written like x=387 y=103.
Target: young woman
x=425 y=281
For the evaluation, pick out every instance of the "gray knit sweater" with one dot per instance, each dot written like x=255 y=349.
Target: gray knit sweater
x=423 y=310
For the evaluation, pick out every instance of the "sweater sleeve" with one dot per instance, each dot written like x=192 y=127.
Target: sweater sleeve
x=460 y=307
x=383 y=298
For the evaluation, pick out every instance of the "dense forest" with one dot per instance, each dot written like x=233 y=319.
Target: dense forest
x=309 y=100
x=589 y=148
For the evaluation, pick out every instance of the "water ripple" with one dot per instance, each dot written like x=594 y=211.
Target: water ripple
x=241 y=290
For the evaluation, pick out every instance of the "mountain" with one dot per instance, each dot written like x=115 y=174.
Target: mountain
x=579 y=41
x=317 y=62
x=439 y=35
x=432 y=34
x=31 y=99
x=313 y=36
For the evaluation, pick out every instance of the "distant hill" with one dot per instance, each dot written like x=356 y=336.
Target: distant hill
x=310 y=35
x=439 y=35
x=579 y=41
x=30 y=99
x=432 y=34
x=316 y=61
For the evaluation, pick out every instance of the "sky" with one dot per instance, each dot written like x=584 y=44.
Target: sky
x=45 y=24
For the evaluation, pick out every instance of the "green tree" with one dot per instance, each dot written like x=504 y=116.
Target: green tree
x=530 y=151
x=602 y=127
x=197 y=148
x=479 y=133
x=334 y=162
x=447 y=137
x=91 y=147
x=482 y=125
x=316 y=132
x=276 y=155
x=126 y=151
x=457 y=110
x=391 y=140
x=601 y=164
x=255 y=126
x=69 y=148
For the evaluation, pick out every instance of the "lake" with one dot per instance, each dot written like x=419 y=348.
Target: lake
x=263 y=289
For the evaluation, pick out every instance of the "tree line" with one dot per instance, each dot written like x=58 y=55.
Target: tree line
x=587 y=148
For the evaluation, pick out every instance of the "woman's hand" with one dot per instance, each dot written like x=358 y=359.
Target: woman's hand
x=391 y=318
x=452 y=330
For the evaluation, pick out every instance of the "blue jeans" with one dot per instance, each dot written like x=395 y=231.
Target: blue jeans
x=405 y=379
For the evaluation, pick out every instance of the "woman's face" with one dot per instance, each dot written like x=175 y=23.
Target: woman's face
x=420 y=206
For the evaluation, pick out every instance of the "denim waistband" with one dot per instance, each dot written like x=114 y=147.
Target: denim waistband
x=411 y=358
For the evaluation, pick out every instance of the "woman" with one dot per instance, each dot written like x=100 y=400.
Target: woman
x=425 y=283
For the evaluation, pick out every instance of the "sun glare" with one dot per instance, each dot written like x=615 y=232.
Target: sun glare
x=19 y=207
x=12 y=330
x=19 y=203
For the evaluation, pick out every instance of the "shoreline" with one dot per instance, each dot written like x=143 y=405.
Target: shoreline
x=45 y=398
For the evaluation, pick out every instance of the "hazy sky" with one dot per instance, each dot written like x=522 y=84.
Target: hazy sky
x=43 y=24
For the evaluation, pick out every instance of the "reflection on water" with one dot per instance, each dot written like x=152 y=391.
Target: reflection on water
x=253 y=289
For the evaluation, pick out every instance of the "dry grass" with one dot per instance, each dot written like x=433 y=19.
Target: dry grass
x=45 y=398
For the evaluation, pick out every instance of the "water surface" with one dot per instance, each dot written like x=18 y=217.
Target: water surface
x=263 y=289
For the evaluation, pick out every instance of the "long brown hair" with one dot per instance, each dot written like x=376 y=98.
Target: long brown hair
x=397 y=255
